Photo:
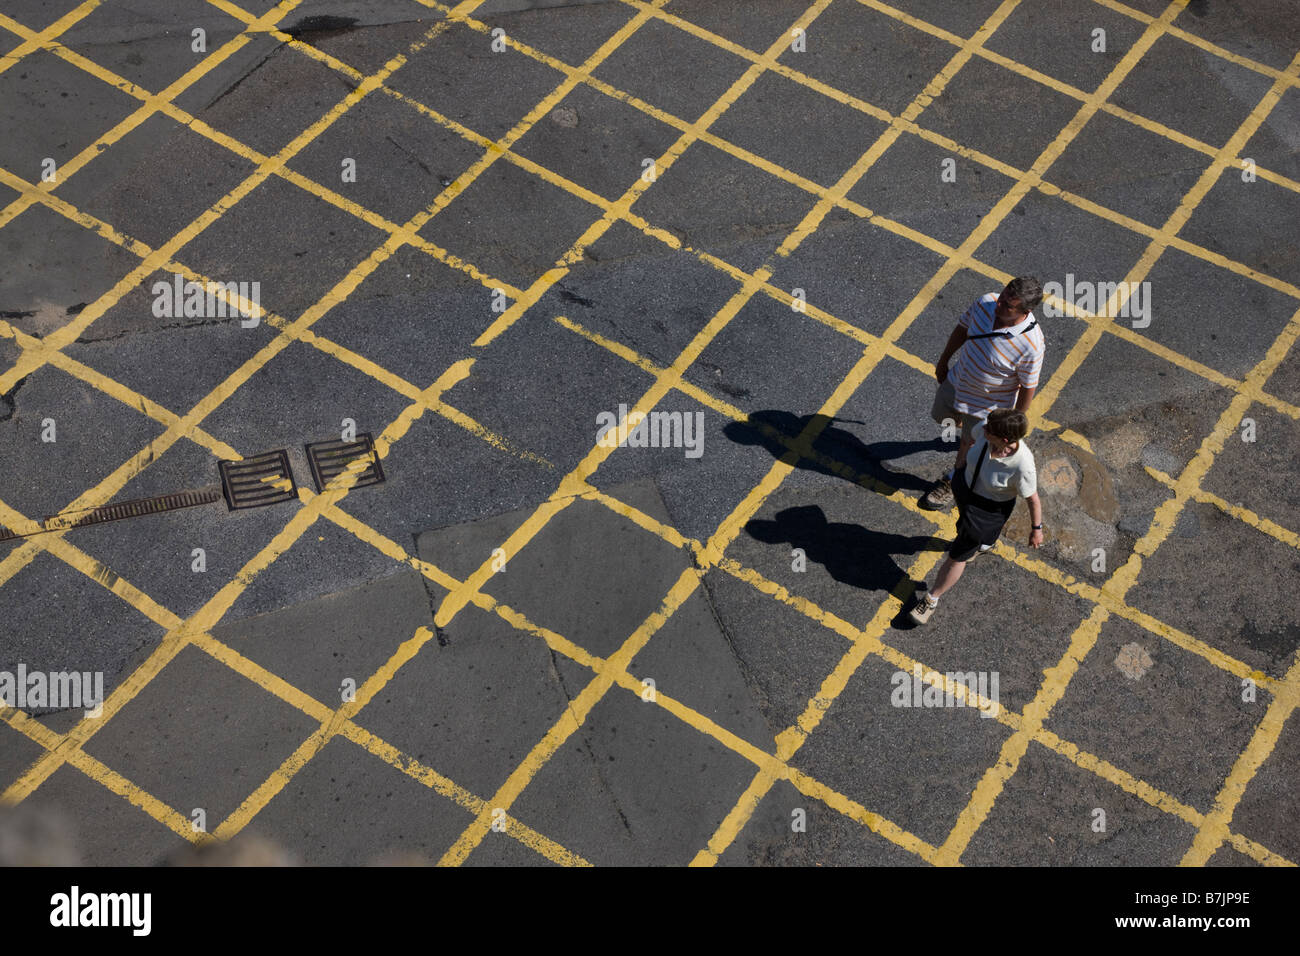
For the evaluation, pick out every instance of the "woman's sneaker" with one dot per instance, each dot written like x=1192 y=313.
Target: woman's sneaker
x=925 y=606
x=939 y=497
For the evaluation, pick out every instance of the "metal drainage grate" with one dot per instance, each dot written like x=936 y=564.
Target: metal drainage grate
x=261 y=480
x=329 y=459
x=122 y=509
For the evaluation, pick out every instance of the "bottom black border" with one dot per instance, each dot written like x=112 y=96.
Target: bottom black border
x=962 y=906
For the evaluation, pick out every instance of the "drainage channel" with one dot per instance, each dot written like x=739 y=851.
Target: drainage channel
x=255 y=482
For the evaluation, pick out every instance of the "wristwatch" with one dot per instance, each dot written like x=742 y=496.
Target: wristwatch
x=1036 y=527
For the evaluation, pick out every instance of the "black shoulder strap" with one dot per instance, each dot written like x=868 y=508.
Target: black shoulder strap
x=979 y=464
x=1002 y=332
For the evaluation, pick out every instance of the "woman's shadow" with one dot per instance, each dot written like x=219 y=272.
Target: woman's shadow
x=851 y=553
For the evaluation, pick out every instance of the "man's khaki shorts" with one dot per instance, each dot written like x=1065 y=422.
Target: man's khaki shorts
x=944 y=399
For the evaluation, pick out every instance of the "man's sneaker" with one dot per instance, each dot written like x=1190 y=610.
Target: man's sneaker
x=938 y=497
x=924 y=608
x=982 y=548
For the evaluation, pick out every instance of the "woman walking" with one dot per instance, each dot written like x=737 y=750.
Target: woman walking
x=999 y=467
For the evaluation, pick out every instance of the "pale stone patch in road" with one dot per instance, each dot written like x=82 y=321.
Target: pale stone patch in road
x=1133 y=660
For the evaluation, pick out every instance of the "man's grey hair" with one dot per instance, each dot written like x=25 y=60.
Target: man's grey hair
x=1028 y=290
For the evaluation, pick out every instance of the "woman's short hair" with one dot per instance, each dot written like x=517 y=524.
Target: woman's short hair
x=1009 y=424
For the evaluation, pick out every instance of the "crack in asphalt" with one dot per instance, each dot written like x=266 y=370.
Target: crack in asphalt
x=123 y=333
x=10 y=399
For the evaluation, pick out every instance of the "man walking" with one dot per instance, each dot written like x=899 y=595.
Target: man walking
x=998 y=367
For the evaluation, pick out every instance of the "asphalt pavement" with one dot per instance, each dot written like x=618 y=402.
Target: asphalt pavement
x=460 y=242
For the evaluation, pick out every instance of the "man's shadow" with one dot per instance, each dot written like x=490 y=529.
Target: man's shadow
x=843 y=454
x=851 y=553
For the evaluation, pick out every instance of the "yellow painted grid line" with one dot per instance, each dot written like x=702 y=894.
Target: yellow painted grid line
x=178 y=823
x=23 y=367
x=1098 y=595
x=215 y=608
x=808 y=786
x=1107 y=599
x=33 y=41
x=1155 y=249
x=68 y=746
x=1243 y=514
x=663 y=531
x=127 y=396
x=667 y=238
x=731 y=527
x=41 y=735
x=611 y=213
x=173 y=641
x=804 y=606
x=162 y=102
x=904 y=663
x=955 y=40
x=686 y=584
x=1150 y=795
x=1084 y=638
x=164 y=252
x=1081 y=758
x=74 y=557
x=340 y=722
x=984 y=53
x=1067 y=89
x=897 y=228
x=459 y=598
x=910 y=126
x=1047 y=738
x=580 y=192
x=334 y=722
x=1221 y=52
x=136 y=796
x=114 y=389
x=92 y=768
x=373 y=219
x=944 y=142
x=864 y=643
x=43 y=352
x=31 y=192
x=17 y=558
x=1213 y=830
x=211 y=612
x=494 y=150
x=406 y=389
x=794 y=737
x=48 y=739
x=142 y=250
x=151 y=102
x=630 y=683
x=430 y=778
x=27 y=362
x=69 y=332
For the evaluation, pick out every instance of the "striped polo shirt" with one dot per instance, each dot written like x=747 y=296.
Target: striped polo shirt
x=989 y=371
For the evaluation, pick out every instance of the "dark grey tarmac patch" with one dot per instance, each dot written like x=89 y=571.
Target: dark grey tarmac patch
x=636 y=783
